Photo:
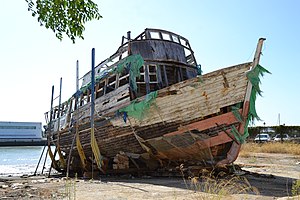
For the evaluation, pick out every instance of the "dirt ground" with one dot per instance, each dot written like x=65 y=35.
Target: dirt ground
x=271 y=174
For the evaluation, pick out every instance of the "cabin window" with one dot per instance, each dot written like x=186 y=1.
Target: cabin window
x=155 y=77
x=141 y=83
x=57 y=112
x=152 y=73
x=88 y=96
x=172 y=75
x=123 y=55
x=175 y=39
x=75 y=103
x=153 y=84
x=166 y=36
x=141 y=79
x=123 y=78
x=183 y=42
x=150 y=79
x=62 y=109
x=111 y=84
x=72 y=105
x=164 y=77
x=154 y=35
x=83 y=99
x=54 y=113
x=100 y=89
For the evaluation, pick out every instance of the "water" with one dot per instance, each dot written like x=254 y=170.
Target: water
x=21 y=160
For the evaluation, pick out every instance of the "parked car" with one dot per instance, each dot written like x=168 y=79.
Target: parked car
x=262 y=137
x=285 y=137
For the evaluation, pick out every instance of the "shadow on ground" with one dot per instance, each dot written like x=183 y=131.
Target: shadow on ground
x=267 y=185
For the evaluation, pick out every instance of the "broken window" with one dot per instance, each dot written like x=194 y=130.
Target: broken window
x=100 y=89
x=111 y=84
x=123 y=78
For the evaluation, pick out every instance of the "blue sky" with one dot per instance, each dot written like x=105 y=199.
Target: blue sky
x=222 y=33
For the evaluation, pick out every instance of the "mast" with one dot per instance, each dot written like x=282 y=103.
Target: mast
x=235 y=148
x=249 y=86
x=95 y=148
x=258 y=51
x=77 y=75
x=59 y=106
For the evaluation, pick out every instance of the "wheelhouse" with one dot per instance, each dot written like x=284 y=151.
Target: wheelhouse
x=161 y=59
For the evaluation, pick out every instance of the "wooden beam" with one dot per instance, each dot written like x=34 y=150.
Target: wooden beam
x=165 y=75
x=159 y=79
x=147 y=79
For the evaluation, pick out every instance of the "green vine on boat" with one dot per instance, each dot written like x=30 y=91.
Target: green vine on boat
x=254 y=77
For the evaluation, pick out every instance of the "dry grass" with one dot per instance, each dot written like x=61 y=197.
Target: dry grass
x=270 y=147
x=217 y=187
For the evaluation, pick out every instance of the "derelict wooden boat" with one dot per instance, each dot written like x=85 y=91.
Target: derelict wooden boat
x=148 y=107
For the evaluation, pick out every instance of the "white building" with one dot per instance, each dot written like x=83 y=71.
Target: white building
x=20 y=133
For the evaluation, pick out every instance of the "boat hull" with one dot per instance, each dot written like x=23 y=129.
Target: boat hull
x=188 y=123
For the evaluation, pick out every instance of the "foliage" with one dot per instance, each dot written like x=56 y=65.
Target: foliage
x=64 y=16
x=296 y=188
x=253 y=131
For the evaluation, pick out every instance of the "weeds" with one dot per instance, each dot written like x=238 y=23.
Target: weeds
x=219 y=186
x=70 y=188
x=296 y=188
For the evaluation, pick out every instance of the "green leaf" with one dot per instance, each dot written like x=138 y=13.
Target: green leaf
x=64 y=16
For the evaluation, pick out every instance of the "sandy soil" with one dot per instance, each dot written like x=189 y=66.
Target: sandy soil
x=271 y=174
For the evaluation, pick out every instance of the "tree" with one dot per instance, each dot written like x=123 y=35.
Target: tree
x=64 y=16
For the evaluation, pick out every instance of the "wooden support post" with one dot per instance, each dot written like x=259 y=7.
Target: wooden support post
x=147 y=34
x=165 y=75
x=49 y=135
x=45 y=163
x=39 y=160
x=70 y=155
x=95 y=148
x=159 y=78
x=63 y=162
x=76 y=136
x=92 y=104
x=59 y=103
x=147 y=78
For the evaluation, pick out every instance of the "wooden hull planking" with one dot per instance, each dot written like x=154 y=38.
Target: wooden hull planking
x=190 y=122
